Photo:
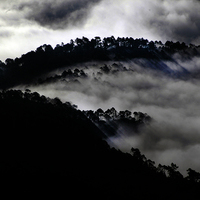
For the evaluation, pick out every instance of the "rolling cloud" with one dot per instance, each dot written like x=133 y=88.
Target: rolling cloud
x=173 y=103
x=175 y=20
x=27 y=24
x=159 y=19
x=57 y=14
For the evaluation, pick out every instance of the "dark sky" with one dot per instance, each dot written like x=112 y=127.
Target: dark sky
x=25 y=24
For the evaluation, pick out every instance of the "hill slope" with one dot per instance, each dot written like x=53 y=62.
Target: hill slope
x=51 y=148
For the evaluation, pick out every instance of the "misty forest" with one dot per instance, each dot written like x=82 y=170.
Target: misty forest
x=102 y=118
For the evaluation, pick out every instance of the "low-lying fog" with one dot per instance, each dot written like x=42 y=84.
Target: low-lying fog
x=173 y=103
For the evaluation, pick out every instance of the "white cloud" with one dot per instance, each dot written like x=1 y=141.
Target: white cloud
x=173 y=104
x=154 y=20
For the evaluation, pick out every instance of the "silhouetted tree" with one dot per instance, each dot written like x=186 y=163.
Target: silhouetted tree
x=9 y=62
x=112 y=113
x=193 y=175
x=31 y=65
x=105 y=69
x=152 y=45
x=137 y=154
x=125 y=114
x=170 y=171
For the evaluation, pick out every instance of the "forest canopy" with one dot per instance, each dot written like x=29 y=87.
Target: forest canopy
x=46 y=141
x=46 y=58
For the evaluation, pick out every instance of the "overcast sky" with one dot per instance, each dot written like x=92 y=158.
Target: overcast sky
x=25 y=24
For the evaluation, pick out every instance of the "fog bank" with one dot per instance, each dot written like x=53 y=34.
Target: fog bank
x=173 y=103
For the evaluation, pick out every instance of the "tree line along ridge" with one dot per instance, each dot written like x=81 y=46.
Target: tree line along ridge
x=46 y=58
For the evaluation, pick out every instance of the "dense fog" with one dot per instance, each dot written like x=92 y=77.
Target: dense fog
x=172 y=102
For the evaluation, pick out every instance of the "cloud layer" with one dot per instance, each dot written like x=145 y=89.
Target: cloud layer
x=57 y=14
x=160 y=19
x=25 y=25
x=174 y=135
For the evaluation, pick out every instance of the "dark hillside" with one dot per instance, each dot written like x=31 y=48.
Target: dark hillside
x=50 y=148
x=41 y=135
x=30 y=66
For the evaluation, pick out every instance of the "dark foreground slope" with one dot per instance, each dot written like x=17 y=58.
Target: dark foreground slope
x=50 y=148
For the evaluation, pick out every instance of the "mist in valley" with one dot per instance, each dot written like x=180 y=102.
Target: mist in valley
x=170 y=95
x=75 y=73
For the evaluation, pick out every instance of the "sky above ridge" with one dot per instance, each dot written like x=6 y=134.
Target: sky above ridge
x=25 y=24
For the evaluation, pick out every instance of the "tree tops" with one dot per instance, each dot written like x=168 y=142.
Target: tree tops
x=46 y=58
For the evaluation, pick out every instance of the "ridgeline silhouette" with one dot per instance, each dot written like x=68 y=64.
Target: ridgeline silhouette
x=33 y=64
x=51 y=148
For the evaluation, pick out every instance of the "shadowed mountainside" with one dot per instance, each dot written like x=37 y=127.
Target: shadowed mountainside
x=50 y=148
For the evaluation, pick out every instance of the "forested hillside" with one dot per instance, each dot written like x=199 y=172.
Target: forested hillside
x=44 y=59
x=51 y=148
x=99 y=99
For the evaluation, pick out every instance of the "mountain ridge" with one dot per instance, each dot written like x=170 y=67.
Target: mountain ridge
x=48 y=142
x=40 y=157
x=29 y=66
